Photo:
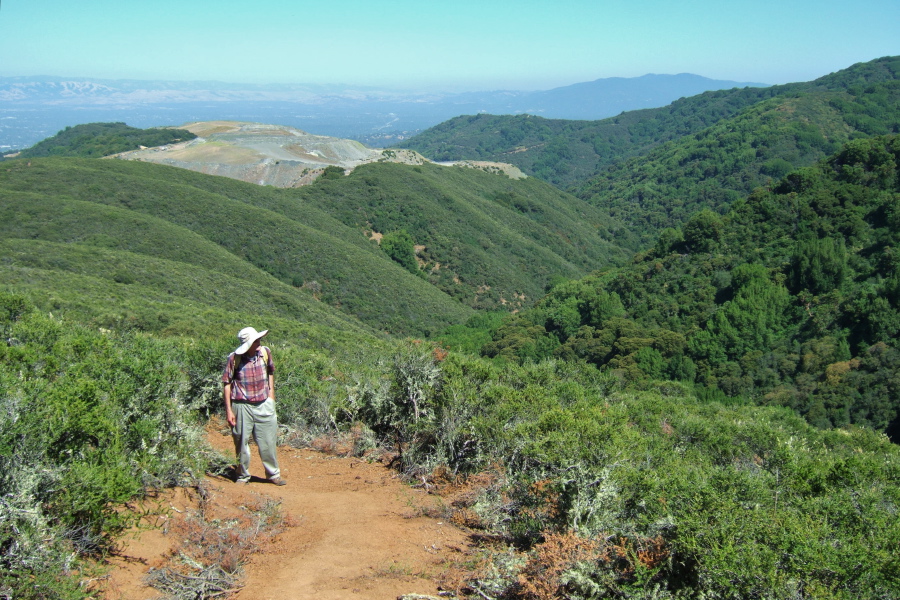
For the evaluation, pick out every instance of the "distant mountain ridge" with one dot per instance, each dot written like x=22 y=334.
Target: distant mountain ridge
x=112 y=91
x=589 y=100
x=34 y=108
x=613 y=95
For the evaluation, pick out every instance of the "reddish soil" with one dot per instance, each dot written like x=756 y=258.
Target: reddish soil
x=356 y=531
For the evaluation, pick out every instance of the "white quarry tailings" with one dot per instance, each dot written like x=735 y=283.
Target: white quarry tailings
x=276 y=155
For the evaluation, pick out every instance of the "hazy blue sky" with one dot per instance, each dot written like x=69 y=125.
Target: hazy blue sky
x=459 y=44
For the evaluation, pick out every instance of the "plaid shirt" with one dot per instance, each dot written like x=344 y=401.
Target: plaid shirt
x=250 y=378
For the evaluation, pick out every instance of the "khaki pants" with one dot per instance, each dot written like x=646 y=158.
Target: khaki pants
x=260 y=421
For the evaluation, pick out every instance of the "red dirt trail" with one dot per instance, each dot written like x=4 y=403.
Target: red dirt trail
x=356 y=531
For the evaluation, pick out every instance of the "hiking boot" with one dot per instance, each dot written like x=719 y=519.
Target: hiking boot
x=277 y=481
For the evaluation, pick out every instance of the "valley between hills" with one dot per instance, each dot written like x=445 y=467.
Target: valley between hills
x=654 y=357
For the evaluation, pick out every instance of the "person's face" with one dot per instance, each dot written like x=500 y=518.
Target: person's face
x=253 y=347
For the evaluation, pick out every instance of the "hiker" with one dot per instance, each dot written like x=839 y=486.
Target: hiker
x=249 y=388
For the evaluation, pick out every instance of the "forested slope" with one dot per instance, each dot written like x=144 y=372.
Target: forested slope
x=732 y=140
x=566 y=152
x=714 y=167
x=789 y=299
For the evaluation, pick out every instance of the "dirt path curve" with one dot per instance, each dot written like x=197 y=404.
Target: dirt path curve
x=358 y=532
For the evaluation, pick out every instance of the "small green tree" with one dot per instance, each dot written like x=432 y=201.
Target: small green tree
x=399 y=246
x=703 y=231
x=332 y=172
x=819 y=265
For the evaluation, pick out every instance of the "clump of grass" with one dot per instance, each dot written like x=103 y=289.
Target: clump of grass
x=358 y=441
x=206 y=582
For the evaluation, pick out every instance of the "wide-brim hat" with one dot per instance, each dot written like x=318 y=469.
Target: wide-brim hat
x=247 y=336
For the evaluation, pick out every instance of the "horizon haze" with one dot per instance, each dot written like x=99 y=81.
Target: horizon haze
x=463 y=46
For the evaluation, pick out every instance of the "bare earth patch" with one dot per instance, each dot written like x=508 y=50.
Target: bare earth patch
x=356 y=531
x=215 y=153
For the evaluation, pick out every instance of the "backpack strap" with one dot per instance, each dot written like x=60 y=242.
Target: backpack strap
x=236 y=365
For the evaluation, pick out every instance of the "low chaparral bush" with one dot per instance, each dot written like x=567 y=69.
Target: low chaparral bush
x=88 y=421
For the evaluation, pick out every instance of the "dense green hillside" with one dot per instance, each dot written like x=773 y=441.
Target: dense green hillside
x=718 y=165
x=94 y=140
x=789 y=299
x=232 y=228
x=567 y=153
x=491 y=241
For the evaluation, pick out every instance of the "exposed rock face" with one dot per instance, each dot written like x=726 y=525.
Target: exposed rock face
x=258 y=153
x=268 y=154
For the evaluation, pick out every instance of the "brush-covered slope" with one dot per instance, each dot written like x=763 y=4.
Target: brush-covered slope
x=568 y=152
x=574 y=478
x=485 y=238
x=238 y=239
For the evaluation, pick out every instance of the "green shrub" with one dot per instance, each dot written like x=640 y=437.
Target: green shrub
x=399 y=246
